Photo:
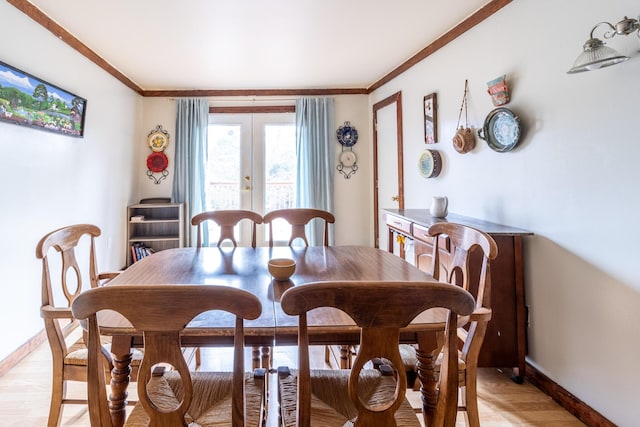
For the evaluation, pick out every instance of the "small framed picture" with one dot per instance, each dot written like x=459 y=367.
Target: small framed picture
x=430 y=119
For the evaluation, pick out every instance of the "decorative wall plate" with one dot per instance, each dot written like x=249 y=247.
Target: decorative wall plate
x=347 y=135
x=348 y=158
x=430 y=163
x=501 y=130
x=158 y=139
x=157 y=162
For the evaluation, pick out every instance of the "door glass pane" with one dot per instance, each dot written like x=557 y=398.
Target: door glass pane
x=223 y=172
x=251 y=165
x=280 y=173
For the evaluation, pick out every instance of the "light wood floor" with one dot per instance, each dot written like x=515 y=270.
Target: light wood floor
x=25 y=394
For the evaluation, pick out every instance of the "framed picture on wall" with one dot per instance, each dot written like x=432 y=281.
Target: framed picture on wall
x=29 y=101
x=430 y=119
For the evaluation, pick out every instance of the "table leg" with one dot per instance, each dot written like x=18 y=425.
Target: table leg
x=429 y=345
x=266 y=357
x=120 y=376
x=255 y=357
x=345 y=357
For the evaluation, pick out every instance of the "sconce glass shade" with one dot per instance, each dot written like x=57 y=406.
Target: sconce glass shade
x=596 y=55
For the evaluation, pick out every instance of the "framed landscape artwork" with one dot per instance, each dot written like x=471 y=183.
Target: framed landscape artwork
x=27 y=100
x=430 y=119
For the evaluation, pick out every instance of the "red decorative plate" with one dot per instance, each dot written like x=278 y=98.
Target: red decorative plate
x=157 y=161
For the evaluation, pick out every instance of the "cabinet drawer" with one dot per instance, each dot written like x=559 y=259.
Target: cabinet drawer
x=399 y=224
x=422 y=233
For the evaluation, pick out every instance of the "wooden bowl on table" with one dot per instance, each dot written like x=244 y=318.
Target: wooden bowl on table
x=281 y=268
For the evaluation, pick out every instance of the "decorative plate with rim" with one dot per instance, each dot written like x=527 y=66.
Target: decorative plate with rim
x=348 y=158
x=157 y=161
x=430 y=163
x=347 y=135
x=501 y=130
x=158 y=139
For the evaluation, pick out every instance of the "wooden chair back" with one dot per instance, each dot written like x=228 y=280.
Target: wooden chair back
x=161 y=313
x=458 y=269
x=227 y=220
x=58 y=319
x=298 y=218
x=380 y=309
x=463 y=240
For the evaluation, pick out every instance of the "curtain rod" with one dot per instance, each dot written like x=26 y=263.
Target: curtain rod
x=244 y=99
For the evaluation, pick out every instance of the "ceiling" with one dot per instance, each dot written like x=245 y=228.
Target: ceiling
x=256 y=44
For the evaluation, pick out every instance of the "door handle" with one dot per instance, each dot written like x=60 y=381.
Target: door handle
x=395 y=198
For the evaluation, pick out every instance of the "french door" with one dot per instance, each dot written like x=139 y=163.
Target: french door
x=251 y=165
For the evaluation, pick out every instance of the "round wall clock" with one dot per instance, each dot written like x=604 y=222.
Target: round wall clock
x=430 y=163
x=347 y=135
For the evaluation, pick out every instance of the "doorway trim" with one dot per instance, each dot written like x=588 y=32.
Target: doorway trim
x=397 y=99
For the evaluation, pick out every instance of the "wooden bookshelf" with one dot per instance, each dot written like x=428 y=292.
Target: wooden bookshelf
x=157 y=226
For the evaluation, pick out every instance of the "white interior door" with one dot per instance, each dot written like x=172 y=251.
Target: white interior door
x=388 y=137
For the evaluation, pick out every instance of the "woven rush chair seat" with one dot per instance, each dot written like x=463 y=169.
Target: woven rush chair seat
x=330 y=402
x=212 y=401
x=77 y=354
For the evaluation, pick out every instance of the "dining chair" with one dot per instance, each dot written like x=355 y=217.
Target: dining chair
x=362 y=395
x=298 y=218
x=169 y=395
x=457 y=267
x=69 y=354
x=227 y=220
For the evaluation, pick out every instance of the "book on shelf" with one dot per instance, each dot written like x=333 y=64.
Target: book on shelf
x=137 y=218
x=140 y=250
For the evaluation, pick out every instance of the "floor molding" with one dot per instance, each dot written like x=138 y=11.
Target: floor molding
x=21 y=352
x=568 y=401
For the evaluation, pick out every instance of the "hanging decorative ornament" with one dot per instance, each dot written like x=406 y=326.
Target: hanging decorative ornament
x=464 y=140
x=157 y=161
x=347 y=137
x=499 y=91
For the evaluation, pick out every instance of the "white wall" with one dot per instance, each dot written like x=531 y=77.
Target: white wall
x=351 y=197
x=50 y=180
x=571 y=180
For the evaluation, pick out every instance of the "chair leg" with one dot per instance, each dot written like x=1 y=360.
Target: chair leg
x=198 y=358
x=58 y=391
x=470 y=397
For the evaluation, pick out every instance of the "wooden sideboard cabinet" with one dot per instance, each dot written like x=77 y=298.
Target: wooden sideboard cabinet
x=505 y=343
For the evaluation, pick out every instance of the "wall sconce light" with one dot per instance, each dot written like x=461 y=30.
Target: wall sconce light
x=596 y=55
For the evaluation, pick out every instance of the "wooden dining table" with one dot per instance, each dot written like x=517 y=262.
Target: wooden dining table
x=246 y=268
